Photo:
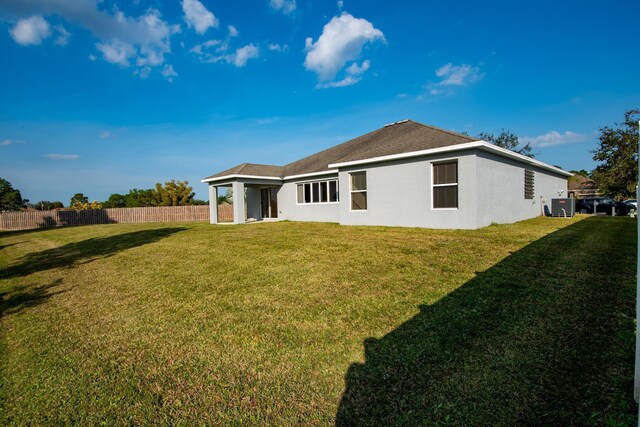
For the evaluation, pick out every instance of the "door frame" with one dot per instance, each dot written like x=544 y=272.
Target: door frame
x=270 y=211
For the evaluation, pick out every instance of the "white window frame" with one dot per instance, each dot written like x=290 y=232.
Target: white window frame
x=351 y=191
x=311 y=192
x=457 y=184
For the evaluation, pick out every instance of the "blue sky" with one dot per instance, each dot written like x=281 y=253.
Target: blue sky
x=100 y=97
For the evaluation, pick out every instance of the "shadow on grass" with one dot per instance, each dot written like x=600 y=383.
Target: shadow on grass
x=14 y=302
x=545 y=337
x=7 y=246
x=84 y=251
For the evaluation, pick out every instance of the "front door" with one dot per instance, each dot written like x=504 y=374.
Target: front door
x=269 y=202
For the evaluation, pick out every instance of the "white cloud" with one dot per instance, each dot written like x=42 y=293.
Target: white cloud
x=276 y=47
x=238 y=58
x=285 y=6
x=10 y=142
x=199 y=49
x=458 y=75
x=243 y=54
x=341 y=41
x=233 y=31
x=354 y=72
x=198 y=17
x=62 y=156
x=347 y=81
x=169 y=73
x=454 y=75
x=105 y=134
x=121 y=38
x=340 y=4
x=553 y=137
x=116 y=52
x=355 y=69
x=30 y=31
x=142 y=72
x=63 y=36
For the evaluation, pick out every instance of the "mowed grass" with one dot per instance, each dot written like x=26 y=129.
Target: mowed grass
x=318 y=324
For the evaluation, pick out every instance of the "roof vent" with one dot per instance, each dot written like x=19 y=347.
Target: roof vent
x=396 y=123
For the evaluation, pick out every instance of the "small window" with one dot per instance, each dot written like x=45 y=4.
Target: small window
x=445 y=185
x=333 y=191
x=300 y=193
x=307 y=193
x=324 y=194
x=358 y=191
x=315 y=193
x=529 y=184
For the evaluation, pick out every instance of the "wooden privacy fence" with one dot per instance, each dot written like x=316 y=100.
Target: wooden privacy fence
x=27 y=220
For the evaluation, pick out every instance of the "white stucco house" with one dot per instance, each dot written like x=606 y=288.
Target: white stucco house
x=404 y=174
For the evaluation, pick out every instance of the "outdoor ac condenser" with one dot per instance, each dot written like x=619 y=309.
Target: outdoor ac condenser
x=563 y=207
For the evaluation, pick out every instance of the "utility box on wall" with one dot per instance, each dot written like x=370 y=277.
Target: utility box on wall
x=563 y=207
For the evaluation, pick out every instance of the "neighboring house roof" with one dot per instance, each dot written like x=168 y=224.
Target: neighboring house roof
x=581 y=186
x=580 y=182
x=401 y=139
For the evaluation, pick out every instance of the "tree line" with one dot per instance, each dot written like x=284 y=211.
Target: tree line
x=172 y=193
x=616 y=174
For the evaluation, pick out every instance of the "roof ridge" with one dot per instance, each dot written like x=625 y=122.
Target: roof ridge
x=450 y=132
x=367 y=149
x=262 y=164
x=350 y=140
x=327 y=149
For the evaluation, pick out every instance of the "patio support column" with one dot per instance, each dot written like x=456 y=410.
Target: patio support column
x=238 y=202
x=213 y=204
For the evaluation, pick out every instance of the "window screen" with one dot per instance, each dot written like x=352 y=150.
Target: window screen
x=358 y=191
x=445 y=185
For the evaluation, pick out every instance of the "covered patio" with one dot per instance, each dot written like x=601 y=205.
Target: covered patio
x=253 y=199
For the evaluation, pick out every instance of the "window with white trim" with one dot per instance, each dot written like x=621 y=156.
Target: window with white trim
x=445 y=185
x=358 y=183
x=317 y=192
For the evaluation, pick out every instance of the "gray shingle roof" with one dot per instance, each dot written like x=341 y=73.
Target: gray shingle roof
x=251 y=169
x=401 y=137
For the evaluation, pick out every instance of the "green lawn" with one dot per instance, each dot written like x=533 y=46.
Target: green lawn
x=318 y=324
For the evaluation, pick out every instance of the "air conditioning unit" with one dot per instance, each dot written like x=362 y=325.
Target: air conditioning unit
x=563 y=207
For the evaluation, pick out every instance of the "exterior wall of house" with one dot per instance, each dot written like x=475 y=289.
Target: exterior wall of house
x=317 y=212
x=399 y=193
x=501 y=190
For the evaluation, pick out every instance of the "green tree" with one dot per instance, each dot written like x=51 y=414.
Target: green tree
x=226 y=198
x=617 y=153
x=508 y=140
x=78 y=198
x=10 y=198
x=45 y=205
x=174 y=193
x=115 y=201
x=139 y=198
x=86 y=206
